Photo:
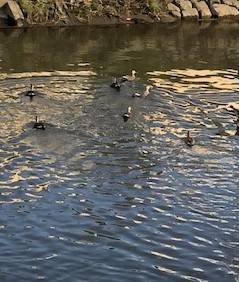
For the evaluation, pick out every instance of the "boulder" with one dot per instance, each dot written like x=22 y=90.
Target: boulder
x=190 y=13
x=2 y=3
x=183 y=4
x=233 y=3
x=203 y=9
x=12 y=9
x=223 y=10
x=174 y=10
x=195 y=1
x=142 y=19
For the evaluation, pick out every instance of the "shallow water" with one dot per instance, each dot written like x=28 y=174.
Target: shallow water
x=93 y=198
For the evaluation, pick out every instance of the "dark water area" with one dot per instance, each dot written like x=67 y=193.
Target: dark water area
x=92 y=198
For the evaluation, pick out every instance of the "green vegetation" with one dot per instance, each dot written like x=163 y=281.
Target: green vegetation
x=73 y=11
x=156 y=6
x=37 y=11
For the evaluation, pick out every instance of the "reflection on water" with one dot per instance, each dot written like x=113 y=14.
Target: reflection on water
x=93 y=198
x=191 y=80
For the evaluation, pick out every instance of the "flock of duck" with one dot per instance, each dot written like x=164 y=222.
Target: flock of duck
x=116 y=84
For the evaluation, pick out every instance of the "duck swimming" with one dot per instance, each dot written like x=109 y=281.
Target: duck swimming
x=127 y=115
x=129 y=77
x=144 y=94
x=237 y=130
x=189 y=140
x=31 y=93
x=39 y=124
x=236 y=111
x=115 y=84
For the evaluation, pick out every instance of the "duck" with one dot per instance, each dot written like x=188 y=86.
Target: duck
x=236 y=111
x=144 y=94
x=115 y=84
x=237 y=130
x=31 y=93
x=129 y=77
x=189 y=140
x=127 y=115
x=39 y=124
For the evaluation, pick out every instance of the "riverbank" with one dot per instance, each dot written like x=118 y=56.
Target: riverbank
x=72 y=12
x=98 y=12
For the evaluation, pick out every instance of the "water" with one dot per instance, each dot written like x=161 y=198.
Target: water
x=94 y=199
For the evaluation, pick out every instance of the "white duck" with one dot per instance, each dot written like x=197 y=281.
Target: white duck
x=144 y=94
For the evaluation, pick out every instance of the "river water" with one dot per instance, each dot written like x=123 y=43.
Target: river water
x=92 y=198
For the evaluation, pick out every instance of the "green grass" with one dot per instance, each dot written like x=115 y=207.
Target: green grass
x=156 y=6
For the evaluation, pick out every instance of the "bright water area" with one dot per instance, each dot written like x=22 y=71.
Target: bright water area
x=92 y=198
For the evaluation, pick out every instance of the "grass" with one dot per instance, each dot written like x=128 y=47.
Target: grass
x=40 y=11
x=156 y=6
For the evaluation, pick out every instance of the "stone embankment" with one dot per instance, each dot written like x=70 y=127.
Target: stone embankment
x=198 y=9
x=74 y=12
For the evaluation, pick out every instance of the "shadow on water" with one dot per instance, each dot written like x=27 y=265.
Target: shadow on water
x=147 y=47
x=92 y=196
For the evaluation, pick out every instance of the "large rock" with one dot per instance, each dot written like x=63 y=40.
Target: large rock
x=190 y=13
x=142 y=19
x=13 y=10
x=195 y=1
x=174 y=10
x=183 y=4
x=223 y=10
x=2 y=3
x=203 y=9
x=233 y=3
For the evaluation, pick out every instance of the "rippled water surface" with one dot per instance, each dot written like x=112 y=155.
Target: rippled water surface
x=94 y=199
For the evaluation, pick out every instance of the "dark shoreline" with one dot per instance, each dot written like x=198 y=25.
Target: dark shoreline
x=121 y=23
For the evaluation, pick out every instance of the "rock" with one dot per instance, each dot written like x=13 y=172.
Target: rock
x=174 y=10
x=12 y=9
x=142 y=19
x=186 y=9
x=168 y=18
x=172 y=7
x=2 y=3
x=223 y=10
x=104 y=20
x=190 y=13
x=176 y=14
x=203 y=9
x=183 y=4
x=233 y=3
x=194 y=1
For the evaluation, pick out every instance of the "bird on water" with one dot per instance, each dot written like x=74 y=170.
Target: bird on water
x=128 y=77
x=115 y=84
x=235 y=110
x=127 y=115
x=31 y=93
x=39 y=124
x=237 y=130
x=144 y=94
x=189 y=141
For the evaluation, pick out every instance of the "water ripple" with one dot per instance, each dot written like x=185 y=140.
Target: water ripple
x=91 y=187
